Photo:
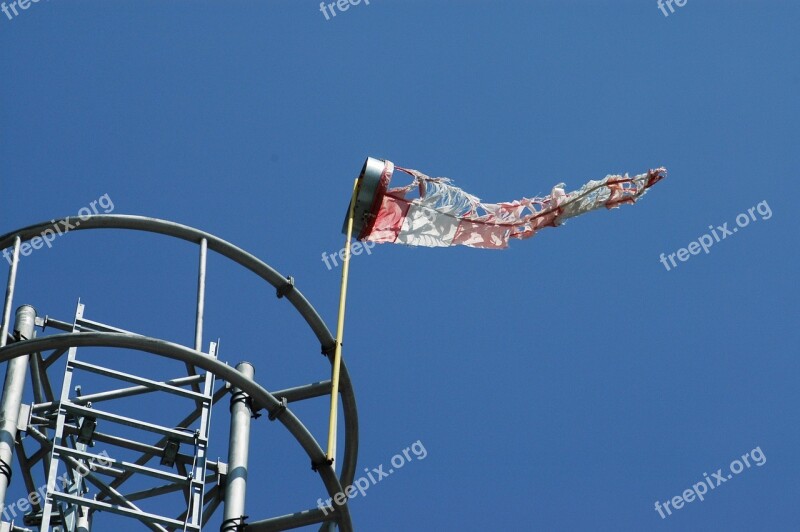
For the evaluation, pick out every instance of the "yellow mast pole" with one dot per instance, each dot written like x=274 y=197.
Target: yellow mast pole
x=337 y=358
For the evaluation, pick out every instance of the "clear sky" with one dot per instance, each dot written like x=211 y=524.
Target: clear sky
x=567 y=383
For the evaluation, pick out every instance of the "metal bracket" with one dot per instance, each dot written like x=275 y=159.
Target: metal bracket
x=222 y=473
x=316 y=466
x=5 y=469
x=278 y=411
x=170 y=452
x=330 y=350
x=236 y=524
x=86 y=428
x=240 y=397
x=254 y=411
x=24 y=418
x=285 y=288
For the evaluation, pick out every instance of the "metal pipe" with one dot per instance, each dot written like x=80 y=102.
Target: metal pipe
x=238 y=449
x=201 y=296
x=11 y=400
x=36 y=378
x=200 y=310
x=306 y=391
x=12 y=280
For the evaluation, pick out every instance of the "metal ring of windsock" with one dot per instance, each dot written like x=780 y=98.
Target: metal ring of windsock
x=372 y=184
x=444 y=215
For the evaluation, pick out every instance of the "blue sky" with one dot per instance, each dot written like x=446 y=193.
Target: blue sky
x=567 y=383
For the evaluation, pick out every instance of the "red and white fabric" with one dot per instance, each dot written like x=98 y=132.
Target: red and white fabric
x=444 y=215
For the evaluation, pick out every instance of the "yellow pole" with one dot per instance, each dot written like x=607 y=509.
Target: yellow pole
x=337 y=358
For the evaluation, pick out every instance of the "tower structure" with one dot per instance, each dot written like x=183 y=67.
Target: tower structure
x=88 y=461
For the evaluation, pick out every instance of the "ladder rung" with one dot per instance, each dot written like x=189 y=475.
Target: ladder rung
x=130 y=422
x=155 y=385
x=144 y=517
x=135 y=468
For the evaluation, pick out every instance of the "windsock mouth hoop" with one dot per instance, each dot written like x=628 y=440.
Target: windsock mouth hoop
x=372 y=183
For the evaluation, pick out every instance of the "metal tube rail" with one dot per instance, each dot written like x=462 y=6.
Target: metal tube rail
x=223 y=371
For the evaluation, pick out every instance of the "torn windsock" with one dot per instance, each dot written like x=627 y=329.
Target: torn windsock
x=444 y=215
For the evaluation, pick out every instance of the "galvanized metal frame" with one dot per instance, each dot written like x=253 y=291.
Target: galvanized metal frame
x=252 y=263
x=85 y=333
x=194 y=484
